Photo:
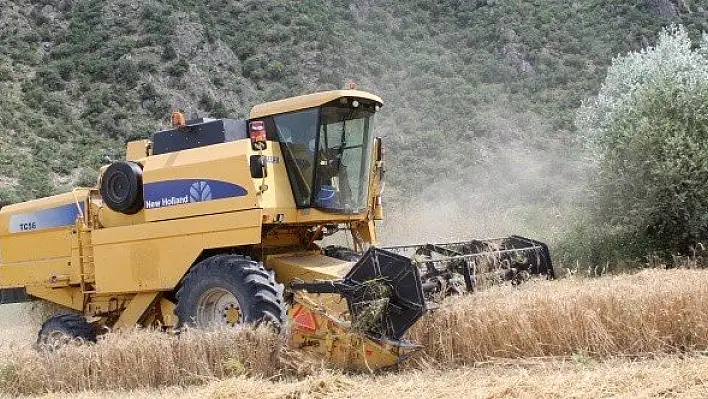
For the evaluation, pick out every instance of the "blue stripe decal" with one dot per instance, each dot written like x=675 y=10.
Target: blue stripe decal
x=64 y=215
x=185 y=191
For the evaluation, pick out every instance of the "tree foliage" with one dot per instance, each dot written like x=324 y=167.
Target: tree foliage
x=648 y=132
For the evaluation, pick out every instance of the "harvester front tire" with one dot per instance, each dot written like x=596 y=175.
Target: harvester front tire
x=122 y=187
x=228 y=290
x=63 y=329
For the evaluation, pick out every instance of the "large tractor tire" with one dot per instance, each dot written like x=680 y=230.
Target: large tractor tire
x=64 y=329
x=230 y=290
x=122 y=187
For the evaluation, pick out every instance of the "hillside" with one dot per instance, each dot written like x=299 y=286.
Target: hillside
x=480 y=95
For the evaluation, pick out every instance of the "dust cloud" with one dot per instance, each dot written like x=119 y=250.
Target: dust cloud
x=520 y=188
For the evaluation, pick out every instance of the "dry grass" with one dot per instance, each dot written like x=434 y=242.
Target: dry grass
x=669 y=377
x=570 y=325
x=647 y=313
x=140 y=359
x=666 y=377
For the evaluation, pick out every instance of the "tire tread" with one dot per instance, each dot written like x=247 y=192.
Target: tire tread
x=73 y=324
x=263 y=296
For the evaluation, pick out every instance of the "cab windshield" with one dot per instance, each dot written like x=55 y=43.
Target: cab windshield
x=327 y=152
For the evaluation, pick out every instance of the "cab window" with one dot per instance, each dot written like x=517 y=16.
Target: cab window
x=297 y=134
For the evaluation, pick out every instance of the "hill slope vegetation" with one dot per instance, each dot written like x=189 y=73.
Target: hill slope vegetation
x=480 y=95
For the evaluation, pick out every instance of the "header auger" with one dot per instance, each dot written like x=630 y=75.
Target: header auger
x=221 y=222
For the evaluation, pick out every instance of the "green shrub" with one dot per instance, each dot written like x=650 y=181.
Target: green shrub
x=275 y=70
x=65 y=70
x=35 y=183
x=220 y=110
x=169 y=53
x=126 y=73
x=648 y=132
x=253 y=67
x=87 y=177
x=5 y=73
x=178 y=69
x=206 y=102
x=50 y=79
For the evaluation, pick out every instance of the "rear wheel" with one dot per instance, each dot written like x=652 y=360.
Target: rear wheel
x=229 y=290
x=65 y=329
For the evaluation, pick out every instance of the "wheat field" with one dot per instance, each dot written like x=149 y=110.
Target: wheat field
x=664 y=377
x=640 y=335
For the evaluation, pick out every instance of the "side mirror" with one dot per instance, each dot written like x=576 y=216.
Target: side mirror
x=259 y=168
x=378 y=146
x=379 y=153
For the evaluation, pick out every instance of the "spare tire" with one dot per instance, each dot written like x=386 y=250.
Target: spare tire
x=122 y=187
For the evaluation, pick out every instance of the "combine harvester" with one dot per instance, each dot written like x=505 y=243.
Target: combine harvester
x=220 y=222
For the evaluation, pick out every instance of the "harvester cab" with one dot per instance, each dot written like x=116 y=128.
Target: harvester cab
x=220 y=222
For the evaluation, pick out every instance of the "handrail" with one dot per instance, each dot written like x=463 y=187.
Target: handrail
x=78 y=206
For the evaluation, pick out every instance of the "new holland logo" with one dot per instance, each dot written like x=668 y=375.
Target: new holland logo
x=187 y=191
x=200 y=191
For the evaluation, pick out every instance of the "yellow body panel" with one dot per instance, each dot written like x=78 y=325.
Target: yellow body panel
x=37 y=239
x=307 y=267
x=308 y=101
x=38 y=272
x=71 y=298
x=137 y=149
x=23 y=247
x=110 y=218
x=277 y=199
x=226 y=162
x=155 y=256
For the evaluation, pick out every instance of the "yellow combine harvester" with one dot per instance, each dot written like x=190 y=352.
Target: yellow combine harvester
x=220 y=222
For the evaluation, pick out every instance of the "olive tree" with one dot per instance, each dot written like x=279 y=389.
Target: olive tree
x=647 y=131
